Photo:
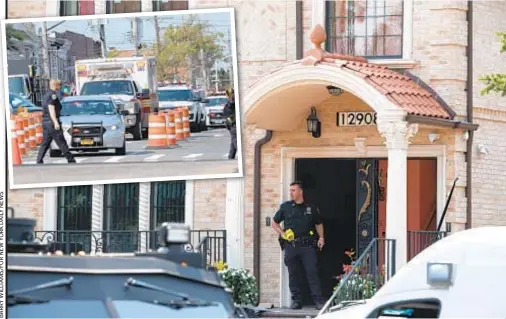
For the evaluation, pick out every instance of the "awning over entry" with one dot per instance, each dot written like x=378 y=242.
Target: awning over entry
x=281 y=100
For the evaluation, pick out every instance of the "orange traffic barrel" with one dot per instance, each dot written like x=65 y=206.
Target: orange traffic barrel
x=39 y=136
x=186 y=122
x=31 y=131
x=179 y=124
x=20 y=135
x=171 y=129
x=157 y=137
x=16 y=155
x=26 y=128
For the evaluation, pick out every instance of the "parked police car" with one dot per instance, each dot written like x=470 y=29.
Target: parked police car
x=168 y=283
x=91 y=123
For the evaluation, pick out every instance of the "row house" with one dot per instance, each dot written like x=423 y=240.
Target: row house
x=393 y=91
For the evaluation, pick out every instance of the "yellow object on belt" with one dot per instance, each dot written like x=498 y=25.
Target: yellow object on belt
x=288 y=235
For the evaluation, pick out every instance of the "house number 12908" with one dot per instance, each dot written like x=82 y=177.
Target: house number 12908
x=356 y=118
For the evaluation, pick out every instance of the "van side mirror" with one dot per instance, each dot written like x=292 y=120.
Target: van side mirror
x=123 y=112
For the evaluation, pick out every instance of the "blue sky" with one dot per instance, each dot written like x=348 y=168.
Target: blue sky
x=116 y=29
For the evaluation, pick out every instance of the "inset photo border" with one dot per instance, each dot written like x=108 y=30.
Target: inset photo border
x=120 y=98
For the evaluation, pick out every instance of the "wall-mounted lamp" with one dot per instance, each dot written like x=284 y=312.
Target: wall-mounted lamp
x=482 y=149
x=334 y=90
x=314 y=126
x=465 y=136
x=433 y=137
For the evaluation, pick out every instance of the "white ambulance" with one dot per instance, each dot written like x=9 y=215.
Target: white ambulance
x=460 y=276
x=132 y=82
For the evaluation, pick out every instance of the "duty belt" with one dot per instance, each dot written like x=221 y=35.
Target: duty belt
x=302 y=242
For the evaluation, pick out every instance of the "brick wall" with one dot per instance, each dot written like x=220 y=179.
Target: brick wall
x=28 y=203
x=210 y=204
x=489 y=175
x=440 y=49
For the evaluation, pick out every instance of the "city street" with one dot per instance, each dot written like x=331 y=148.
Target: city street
x=203 y=153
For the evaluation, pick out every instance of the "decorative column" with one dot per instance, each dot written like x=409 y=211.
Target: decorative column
x=144 y=215
x=100 y=6
x=234 y=217
x=97 y=218
x=397 y=133
x=147 y=5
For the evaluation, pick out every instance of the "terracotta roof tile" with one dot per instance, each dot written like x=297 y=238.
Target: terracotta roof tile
x=399 y=88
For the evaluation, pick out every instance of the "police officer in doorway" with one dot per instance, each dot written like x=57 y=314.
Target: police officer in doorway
x=303 y=232
x=51 y=124
x=229 y=113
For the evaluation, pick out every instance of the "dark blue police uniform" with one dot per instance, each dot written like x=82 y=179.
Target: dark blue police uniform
x=301 y=219
x=49 y=132
x=229 y=113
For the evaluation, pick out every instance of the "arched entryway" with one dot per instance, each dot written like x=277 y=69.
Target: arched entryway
x=280 y=102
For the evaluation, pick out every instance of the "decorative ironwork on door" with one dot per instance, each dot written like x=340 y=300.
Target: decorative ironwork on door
x=366 y=203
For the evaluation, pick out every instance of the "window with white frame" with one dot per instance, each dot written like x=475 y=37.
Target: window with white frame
x=167 y=202
x=74 y=208
x=370 y=29
x=73 y=225
x=121 y=218
x=69 y=8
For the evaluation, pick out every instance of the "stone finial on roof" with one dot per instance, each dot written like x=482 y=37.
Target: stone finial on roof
x=316 y=54
x=318 y=36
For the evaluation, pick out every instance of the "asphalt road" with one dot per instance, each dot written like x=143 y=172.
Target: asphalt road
x=203 y=153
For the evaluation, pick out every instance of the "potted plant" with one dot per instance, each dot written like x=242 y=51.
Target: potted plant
x=242 y=284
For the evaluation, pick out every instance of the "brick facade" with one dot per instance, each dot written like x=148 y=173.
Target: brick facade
x=439 y=47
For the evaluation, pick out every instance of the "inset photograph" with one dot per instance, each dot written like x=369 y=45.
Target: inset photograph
x=122 y=98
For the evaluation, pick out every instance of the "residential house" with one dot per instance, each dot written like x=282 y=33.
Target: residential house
x=393 y=174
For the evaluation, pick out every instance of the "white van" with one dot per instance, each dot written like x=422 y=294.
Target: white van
x=460 y=276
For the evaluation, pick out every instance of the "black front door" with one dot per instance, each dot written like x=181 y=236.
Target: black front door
x=366 y=203
x=331 y=184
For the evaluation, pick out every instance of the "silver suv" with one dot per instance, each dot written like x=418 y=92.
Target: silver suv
x=174 y=96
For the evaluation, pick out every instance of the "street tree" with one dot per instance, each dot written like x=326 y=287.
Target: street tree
x=13 y=37
x=496 y=82
x=186 y=42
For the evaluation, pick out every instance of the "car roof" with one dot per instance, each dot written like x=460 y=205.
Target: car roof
x=87 y=98
x=217 y=97
x=174 y=88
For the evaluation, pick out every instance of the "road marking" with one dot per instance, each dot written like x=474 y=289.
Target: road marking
x=81 y=159
x=60 y=161
x=29 y=162
x=192 y=156
x=218 y=135
x=114 y=159
x=225 y=155
x=154 y=157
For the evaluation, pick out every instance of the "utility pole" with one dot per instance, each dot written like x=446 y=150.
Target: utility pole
x=203 y=68
x=135 y=35
x=102 y=38
x=216 y=78
x=157 y=33
x=45 y=51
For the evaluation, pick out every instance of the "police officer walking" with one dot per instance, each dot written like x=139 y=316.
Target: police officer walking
x=51 y=124
x=229 y=113
x=303 y=222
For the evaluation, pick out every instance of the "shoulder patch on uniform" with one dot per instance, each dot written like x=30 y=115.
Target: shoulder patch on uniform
x=308 y=210
x=54 y=96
